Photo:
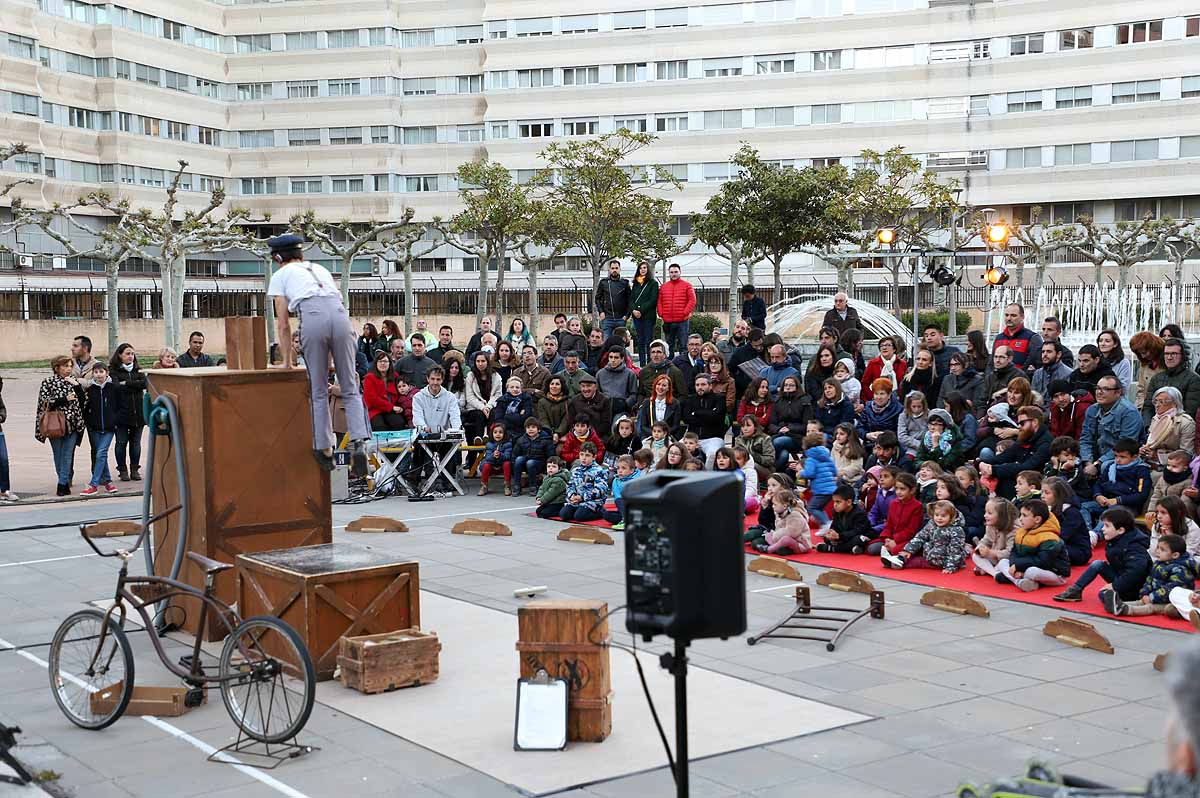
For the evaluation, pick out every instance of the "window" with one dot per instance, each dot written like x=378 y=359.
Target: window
x=151 y=177
x=1139 y=150
x=678 y=171
x=535 y=78
x=21 y=47
x=81 y=64
x=826 y=114
x=629 y=20
x=206 y=88
x=1072 y=154
x=419 y=87
x=730 y=14
x=469 y=133
x=877 y=57
x=381 y=134
x=146 y=74
x=25 y=104
x=581 y=23
x=718 y=172
x=381 y=86
x=1073 y=97
x=378 y=37
x=304 y=137
x=419 y=135
x=1026 y=44
x=1134 y=209
x=30 y=162
x=634 y=124
x=1023 y=158
x=1019 y=101
x=301 y=41
x=429 y=265
x=305 y=185
x=1189 y=147
x=722 y=67
x=151 y=126
x=775 y=117
x=1135 y=92
x=1192 y=28
x=774 y=64
x=82 y=117
x=980 y=105
x=671 y=124
x=206 y=40
x=468 y=34
x=1078 y=39
x=499 y=130
x=175 y=80
x=381 y=182
x=347 y=185
x=345 y=87
x=496 y=30
x=581 y=127
x=825 y=60
x=416 y=38
x=1138 y=32
x=345 y=135
x=258 y=185
x=883 y=111
x=671 y=70
x=125 y=122
x=421 y=183
x=208 y=136
x=470 y=84
x=254 y=91
x=581 y=76
x=248 y=139
x=500 y=79
x=535 y=130
x=632 y=73
x=177 y=131
x=121 y=69
x=302 y=89
x=1190 y=87
x=539 y=26
x=723 y=120
x=336 y=39
x=670 y=17
x=981 y=48
x=258 y=43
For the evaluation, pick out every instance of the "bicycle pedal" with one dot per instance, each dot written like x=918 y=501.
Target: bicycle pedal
x=186 y=662
x=194 y=697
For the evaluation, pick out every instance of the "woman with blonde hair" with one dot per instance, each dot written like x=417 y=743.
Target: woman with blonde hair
x=166 y=359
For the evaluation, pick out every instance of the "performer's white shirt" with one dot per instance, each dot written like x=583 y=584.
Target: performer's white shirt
x=300 y=280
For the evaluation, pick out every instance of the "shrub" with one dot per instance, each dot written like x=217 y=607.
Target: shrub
x=940 y=318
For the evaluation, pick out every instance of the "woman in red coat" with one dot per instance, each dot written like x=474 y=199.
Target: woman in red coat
x=381 y=395
x=888 y=363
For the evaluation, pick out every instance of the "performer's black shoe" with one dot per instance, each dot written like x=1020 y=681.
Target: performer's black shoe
x=324 y=460
x=358 y=459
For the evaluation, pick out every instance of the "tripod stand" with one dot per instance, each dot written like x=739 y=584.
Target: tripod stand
x=676 y=664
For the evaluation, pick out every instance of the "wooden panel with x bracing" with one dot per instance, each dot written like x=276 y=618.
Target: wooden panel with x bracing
x=367 y=620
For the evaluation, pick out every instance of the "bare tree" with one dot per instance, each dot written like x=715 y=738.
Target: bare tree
x=1179 y=240
x=1125 y=244
x=404 y=245
x=1039 y=241
x=345 y=240
x=11 y=151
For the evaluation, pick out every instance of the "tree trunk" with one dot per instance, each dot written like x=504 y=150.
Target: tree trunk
x=777 y=282
x=481 y=299
x=535 y=308
x=896 y=288
x=597 y=265
x=347 y=259
x=409 y=310
x=1039 y=274
x=1099 y=279
x=111 y=270
x=1123 y=270
x=1020 y=275
x=1179 y=282
x=268 y=302
x=750 y=273
x=173 y=274
x=734 y=264
x=500 y=303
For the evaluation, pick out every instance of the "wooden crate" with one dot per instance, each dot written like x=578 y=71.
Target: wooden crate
x=164 y=702
x=252 y=480
x=330 y=590
x=568 y=640
x=378 y=663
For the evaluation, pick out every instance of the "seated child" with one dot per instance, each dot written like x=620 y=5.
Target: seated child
x=741 y=459
x=878 y=514
x=643 y=460
x=1038 y=555
x=1065 y=463
x=1174 y=480
x=659 y=440
x=791 y=534
x=1127 y=560
x=553 y=491
x=843 y=372
x=587 y=488
x=1123 y=483
x=1187 y=604
x=848 y=454
x=849 y=531
x=1171 y=518
x=927 y=475
x=941 y=543
x=976 y=497
x=693 y=464
x=581 y=433
x=869 y=489
x=513 y=407
x=947 y=489
x=905 y=515
x=821 y=474
x=942 y=442
x=497 y=456
x=531 y=452
x=758 y=443
x=1000 y=530
x=766 y=514
x=1028 y=485
x=624 y=440
x=1075 y=535
x=1172 y=569
x=626 y=472
x=691 y=442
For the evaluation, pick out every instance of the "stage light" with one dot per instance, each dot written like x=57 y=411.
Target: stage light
x=943 y=275
x=997 y=234
x=995 y=275
x=886 y=236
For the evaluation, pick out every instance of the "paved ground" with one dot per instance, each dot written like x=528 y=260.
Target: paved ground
x=953 y=698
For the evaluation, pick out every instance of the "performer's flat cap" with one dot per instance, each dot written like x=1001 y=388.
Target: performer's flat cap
x=285 y=242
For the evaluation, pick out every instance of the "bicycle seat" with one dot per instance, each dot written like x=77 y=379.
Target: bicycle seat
x=209 y=566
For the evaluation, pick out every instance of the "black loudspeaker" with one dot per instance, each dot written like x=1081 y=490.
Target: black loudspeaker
x=684 y=566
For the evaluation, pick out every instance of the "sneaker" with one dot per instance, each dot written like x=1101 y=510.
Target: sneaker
x=823 y=548
x=110 y=488
x=1028 y=585
x=857 y=550
x=11 y=496
x=1072 y=593
x=1120 y=608
x=483 y=489
x=619 y=526
x=890 y=560
x=507 y=489
x=759 y=547
x=1110 y=599
x=90 y=490
x=358 y=460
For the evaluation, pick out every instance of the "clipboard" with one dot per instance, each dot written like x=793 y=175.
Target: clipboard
x=541 y=721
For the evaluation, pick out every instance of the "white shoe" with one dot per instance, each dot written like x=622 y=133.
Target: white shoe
x=12 y=496
x=890 y=560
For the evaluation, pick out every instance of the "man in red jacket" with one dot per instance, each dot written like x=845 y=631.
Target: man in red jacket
x=676 y=301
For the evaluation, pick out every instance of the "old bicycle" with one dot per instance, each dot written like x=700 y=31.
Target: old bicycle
x=265 y=674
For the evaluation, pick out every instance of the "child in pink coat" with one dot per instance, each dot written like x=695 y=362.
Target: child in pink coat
x=791 y=534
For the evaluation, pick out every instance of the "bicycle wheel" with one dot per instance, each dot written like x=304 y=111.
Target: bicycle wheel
x=92 y=689
x=267 y=679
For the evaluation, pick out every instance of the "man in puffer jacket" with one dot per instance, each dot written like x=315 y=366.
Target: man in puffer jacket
x=676 y=301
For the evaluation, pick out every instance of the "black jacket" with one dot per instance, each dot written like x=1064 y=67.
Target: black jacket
x=612 y=297
x=130 y=386
x=540 y=448
x=1074 y=534
x=704 y=415
x=744 y=354
x=793 y=413
x=755 y=311
x=1129 y=556
x=1019 y=457
x=102 y=407
x=683 y=362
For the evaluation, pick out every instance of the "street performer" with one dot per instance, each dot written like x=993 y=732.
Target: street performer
x=308 y=290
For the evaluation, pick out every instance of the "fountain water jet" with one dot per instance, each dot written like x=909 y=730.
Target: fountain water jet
x=800 y=317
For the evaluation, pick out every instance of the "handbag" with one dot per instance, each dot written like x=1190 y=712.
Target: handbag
x=52 y=424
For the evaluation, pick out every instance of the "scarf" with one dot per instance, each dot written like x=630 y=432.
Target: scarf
x=888 y=369
x=127 y=366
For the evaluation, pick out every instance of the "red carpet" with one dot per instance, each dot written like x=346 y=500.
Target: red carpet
x=966 y=581
x=751 y=520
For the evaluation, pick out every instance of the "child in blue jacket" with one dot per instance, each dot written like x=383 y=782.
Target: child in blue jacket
x=587 y=487
x=513 y=407
x=821 y=474
x=1172 y=568
x=497 y=456
x=1125 y=482
x=627 y=471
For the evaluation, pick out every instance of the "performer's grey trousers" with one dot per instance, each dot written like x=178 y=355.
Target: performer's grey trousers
x=325 y=330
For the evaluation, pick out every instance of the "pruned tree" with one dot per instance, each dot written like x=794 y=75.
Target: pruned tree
x=496 y=211
x=540 y=243
x=404 y=245
x=345 y=240
x=1179 y=240
x=1038 y=239
x=606 y=207
x=8 y=151
x=1124 y=244
x=723 y=228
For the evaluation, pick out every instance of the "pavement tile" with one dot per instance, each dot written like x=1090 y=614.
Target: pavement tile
x=914 y=774
x=1065 y=738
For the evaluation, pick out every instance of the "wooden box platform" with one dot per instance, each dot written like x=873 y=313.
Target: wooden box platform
x=378 y=663
x=567 y=640
x=328 y=591
x=164 y=702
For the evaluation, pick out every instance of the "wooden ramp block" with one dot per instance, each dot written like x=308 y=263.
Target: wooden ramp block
x=586 y=534
x=112 y=529
x=955 y=601
x=845 y=581
x=483 y=527
x=376 y=523
x=774 y=567
x=1160 y=662
x=1077 y=633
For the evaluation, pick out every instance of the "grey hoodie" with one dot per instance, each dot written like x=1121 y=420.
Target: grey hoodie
x=618 y=383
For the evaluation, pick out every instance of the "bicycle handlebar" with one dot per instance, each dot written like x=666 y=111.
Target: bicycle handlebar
x=140 y=538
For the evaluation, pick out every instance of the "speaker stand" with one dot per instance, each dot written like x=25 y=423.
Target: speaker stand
x=676 y=665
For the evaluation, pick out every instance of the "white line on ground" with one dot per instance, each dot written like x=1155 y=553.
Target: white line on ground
x=178 y=733
x=49 y=559
x=777 y=587
x=456 y=515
